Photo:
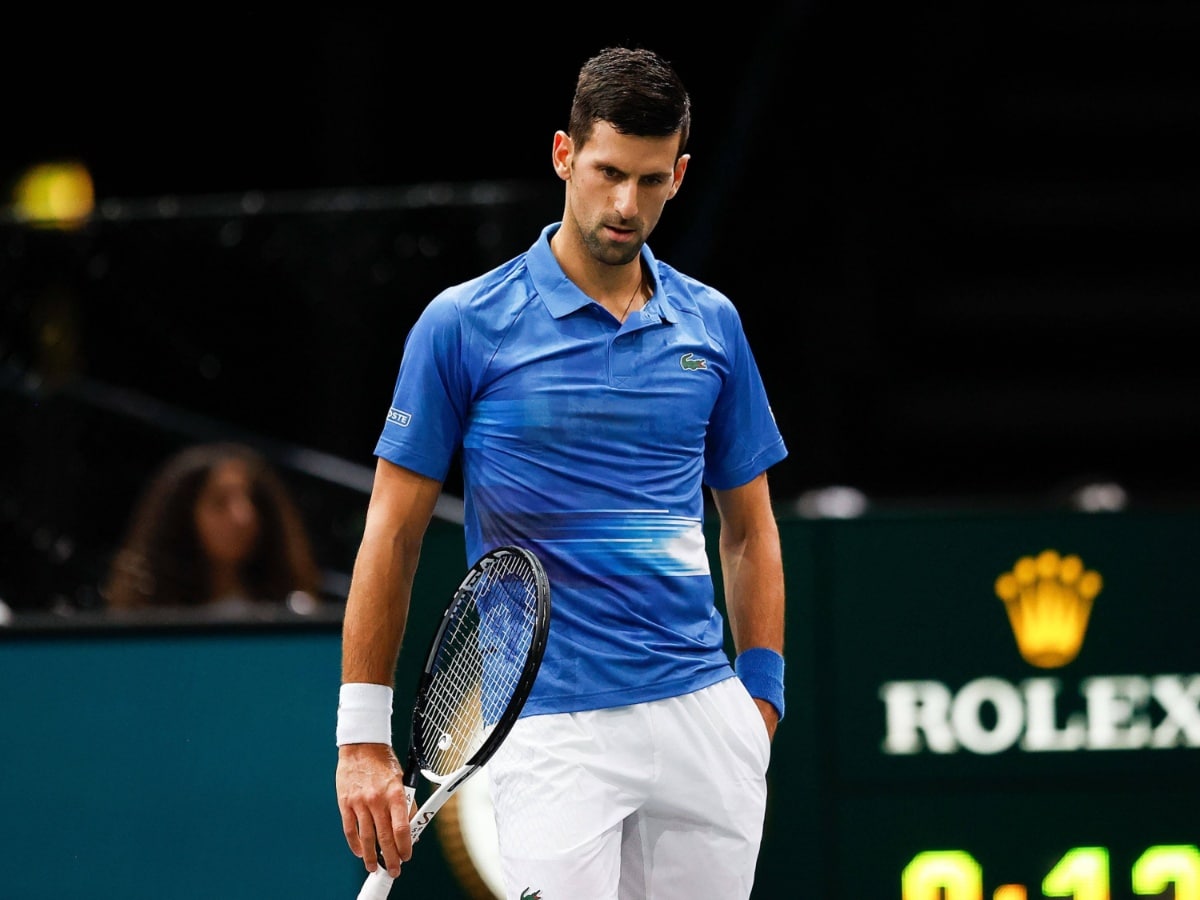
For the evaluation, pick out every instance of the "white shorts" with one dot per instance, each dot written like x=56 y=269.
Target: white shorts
x=656 y=801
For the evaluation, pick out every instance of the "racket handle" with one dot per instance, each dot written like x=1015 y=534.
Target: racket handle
x=379 y=883
x=377 y=886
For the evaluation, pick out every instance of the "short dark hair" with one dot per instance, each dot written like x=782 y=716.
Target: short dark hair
x=634 y=90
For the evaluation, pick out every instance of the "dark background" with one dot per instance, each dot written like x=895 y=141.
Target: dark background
x=961 y=236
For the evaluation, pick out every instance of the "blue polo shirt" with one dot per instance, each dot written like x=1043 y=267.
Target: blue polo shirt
x=589 y=442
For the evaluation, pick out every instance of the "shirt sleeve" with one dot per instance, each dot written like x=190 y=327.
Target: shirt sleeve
x=425 y=422
x=743 y=439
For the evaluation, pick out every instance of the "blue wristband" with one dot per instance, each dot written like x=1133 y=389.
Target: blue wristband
x=761 y=671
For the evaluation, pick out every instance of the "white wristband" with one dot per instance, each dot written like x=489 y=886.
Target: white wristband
x=364 y=714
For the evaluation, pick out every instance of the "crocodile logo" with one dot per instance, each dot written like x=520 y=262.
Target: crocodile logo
x=691 y=363
x=536 y=895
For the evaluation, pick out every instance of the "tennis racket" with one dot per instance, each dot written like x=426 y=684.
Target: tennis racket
x=480 y=667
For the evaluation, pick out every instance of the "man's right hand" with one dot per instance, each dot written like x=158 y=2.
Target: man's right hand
x=375 y=810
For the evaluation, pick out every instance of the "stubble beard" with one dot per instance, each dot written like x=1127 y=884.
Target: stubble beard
x=605 y=251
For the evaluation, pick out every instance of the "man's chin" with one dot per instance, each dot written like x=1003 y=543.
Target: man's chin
x=620 y=254
x=611 y=252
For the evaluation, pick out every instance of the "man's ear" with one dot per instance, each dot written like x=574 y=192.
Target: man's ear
x=561 y=155
x=681 y=165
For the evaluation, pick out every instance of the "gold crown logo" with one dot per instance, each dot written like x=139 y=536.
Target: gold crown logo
x=1048 y=599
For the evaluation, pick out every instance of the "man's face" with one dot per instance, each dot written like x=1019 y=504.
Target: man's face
x=617 y=185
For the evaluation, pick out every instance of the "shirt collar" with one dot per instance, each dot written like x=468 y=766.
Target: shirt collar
x=562 y=297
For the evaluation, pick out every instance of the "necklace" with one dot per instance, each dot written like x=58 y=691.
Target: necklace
x=637 y=290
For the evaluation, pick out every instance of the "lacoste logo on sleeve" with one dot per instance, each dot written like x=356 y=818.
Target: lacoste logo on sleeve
x=399 y=417
x=691 y=363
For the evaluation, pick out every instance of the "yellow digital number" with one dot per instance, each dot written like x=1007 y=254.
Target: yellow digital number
x=1082 y=873
x=1164 y=865
x=942 y=875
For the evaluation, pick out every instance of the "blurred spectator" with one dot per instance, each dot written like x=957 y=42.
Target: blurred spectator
x=217 y=532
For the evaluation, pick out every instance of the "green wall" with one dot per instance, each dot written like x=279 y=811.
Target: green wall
x=206 y=757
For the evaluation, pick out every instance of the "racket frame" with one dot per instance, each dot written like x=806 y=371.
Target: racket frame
x=379 y=882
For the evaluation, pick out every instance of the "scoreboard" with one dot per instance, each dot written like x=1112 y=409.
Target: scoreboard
x=1006 y=708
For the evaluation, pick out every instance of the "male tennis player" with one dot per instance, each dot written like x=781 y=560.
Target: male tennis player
x=594 y=392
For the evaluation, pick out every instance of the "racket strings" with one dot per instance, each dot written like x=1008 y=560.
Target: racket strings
x=478 y=665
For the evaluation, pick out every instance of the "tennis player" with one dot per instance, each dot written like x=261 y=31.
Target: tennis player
x=594 y=393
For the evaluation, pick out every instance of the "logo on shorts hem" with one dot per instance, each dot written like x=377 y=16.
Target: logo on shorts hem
x=526 y=895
